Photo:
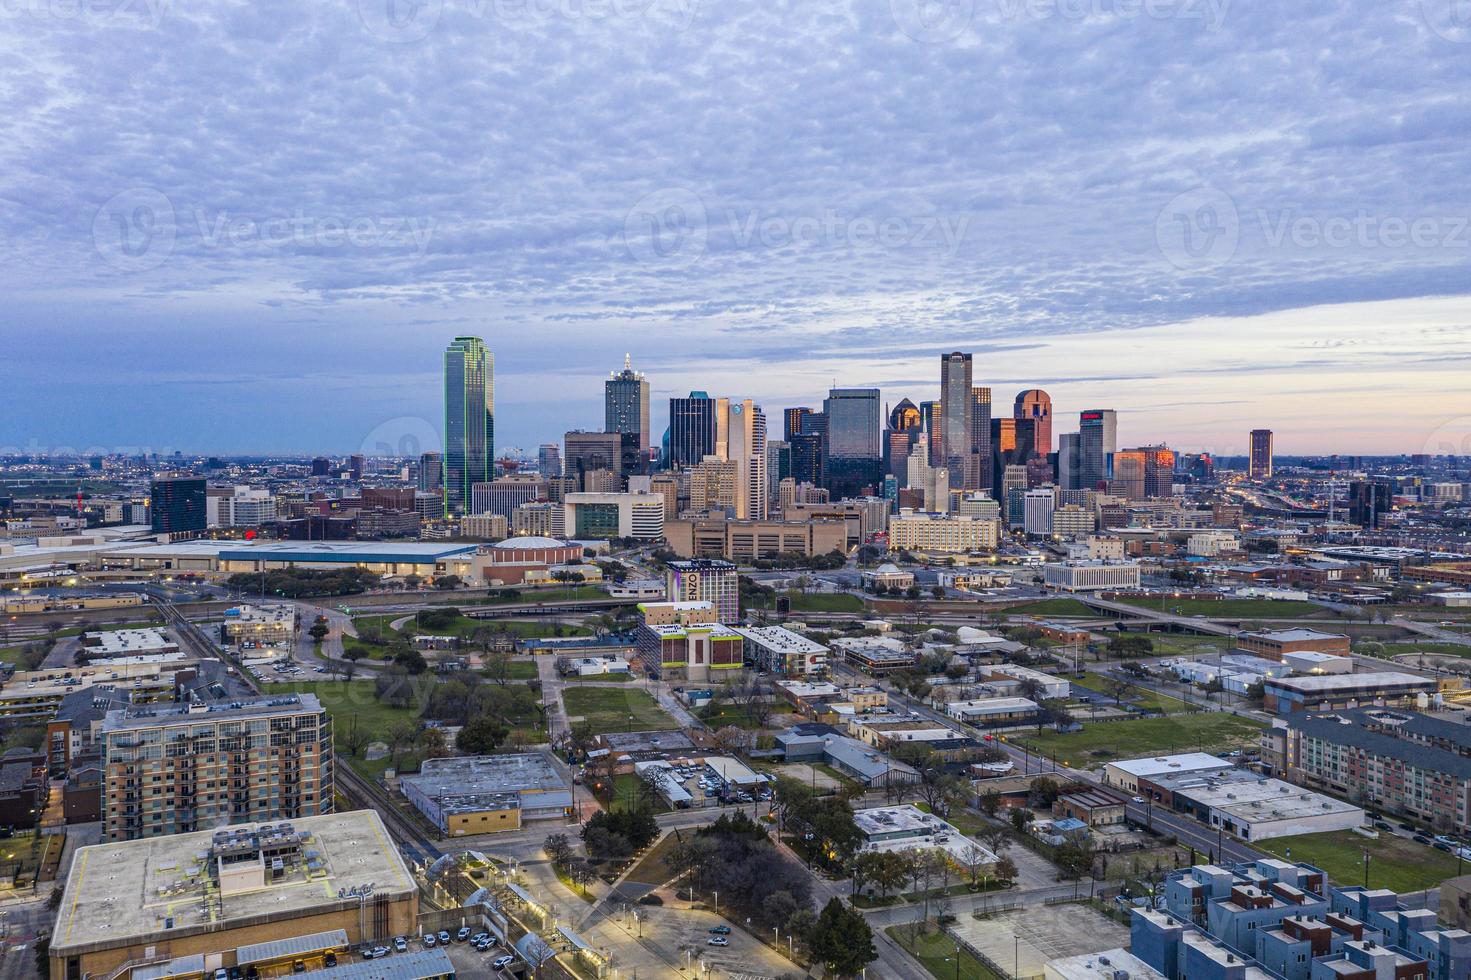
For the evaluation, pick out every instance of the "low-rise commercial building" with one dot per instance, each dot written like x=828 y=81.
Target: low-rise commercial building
x=268 y=624
x=908 y=828
x=994 y=712
x=1329 y=692
x=780 y=651
x=1135 y=775
x=128 y=642
x=515 y=561
x=210 y=893
x=1251 y=807
x=1048 y=686
x=1275 y=644
x=488 y=793
x=875 y=655
x=1091 y=576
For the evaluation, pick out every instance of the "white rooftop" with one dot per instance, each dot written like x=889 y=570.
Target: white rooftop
x=1184 y=762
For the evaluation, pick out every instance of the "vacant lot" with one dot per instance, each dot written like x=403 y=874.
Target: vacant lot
x=937 y=952
x=609 y=709
x=1102 y=692
x=1024 y=941
x=1100 y=743
x=1394 y=862
x=354 y=705
x=1429 y=647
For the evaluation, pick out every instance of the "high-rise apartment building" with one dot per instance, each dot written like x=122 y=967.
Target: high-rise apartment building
x=626 y=412
x=178 y=505
x=469 y=419
x=854 y=459
x=549 y=460
x=1036 y=404
x=691 y=429
x=1037 y=509
x=1098 y=435
x=173 y=769
x=1260 y=466
x=711 y=580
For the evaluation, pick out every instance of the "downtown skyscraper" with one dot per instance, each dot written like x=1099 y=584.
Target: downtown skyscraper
x=955 y=410
x=626 y=412
x=1259 y=466
x=469 y=420
x=1098 y=440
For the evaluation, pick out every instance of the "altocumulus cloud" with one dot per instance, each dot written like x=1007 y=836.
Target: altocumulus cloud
x=857 y=178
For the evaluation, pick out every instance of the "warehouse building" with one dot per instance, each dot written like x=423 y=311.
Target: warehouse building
x=778 y=650
x=488 y=793
x=1331 y=692
x=210 y=893
x=1250 y=806
x=1275 y=644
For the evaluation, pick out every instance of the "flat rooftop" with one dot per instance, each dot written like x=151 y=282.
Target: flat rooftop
x=370 y=552
x=1184 y=762
x=781 y=639
x=1327 y=683
x=125 y=893
x=152 y=716
x=1295 y=635
x=487 y=775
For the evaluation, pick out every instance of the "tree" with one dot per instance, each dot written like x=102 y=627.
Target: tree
x=481 y=736
x=354 y=739
x=1020 y=817
x=412 y=581
x=559 y=850
x=399 y=734
x=842 y=940
x=319 y=630
x=1006 y=870
x=431 y=741
x=580 y=873
x=447 y=582
x=1074 y=857
x=411 y=660
x=996 y=837
x=976 y=862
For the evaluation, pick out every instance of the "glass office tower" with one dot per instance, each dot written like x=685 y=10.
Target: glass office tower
x=854 y=459
x=469 y=420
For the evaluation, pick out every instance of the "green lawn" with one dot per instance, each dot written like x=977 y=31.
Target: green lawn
x=521 y=670
x=1394 y=862
x=1230 y=608
x=369 y=627
x=1133 y=738
x=1176 y=644
x=627 y=789
x=1054 y=607
x=608 y=709
x=936 y=951
x=720 y=716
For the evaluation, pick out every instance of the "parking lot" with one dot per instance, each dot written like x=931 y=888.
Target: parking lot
x=467 y=959
x=667 y=940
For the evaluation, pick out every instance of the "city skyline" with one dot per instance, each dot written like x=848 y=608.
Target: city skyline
x=1154 y=405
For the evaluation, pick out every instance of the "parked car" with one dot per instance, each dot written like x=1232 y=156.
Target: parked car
x=1441 y=845
x=717 y=941
x=463 y=934
x=428 y=940
x=720 y=930
x=501 y=962
x=401 y=944
x=1382 y=825
x=1424 y=839
x=330 y=959
x=443 y=937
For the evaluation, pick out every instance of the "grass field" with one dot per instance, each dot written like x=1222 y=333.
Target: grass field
x=1230 y=608
x=1178 y=644
x=1099 y=743
x=1394 y=862
x=652 y=868
x=521 y=670
x=1137 y=696
x=353 y=703
x=937 y=952
x=1054 y=607
x=1429 y=646
x=818 y=602
x=608 y=709
x=369 y=627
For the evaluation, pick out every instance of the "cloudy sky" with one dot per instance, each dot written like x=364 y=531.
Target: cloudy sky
x=252 y=226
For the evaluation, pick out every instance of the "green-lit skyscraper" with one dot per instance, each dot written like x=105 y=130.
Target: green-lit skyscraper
x=469 y=419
